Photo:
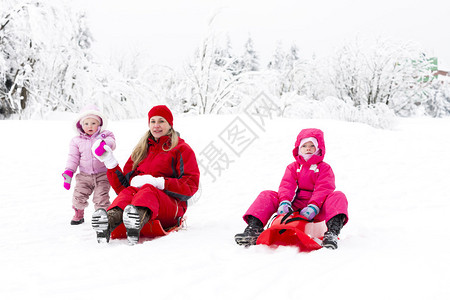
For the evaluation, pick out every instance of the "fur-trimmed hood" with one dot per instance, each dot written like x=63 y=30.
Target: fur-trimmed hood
x=90 y=110
x=318 y=135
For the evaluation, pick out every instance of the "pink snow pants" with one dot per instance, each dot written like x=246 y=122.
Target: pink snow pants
x=164 y=208
x=266 y=204
x=88 y=184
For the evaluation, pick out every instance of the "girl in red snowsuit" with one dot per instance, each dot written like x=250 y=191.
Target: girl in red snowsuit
x=308 y=185
x=156 y=182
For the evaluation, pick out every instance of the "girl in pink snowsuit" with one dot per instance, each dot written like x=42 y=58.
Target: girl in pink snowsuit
x=308 y=185
x=90 y=126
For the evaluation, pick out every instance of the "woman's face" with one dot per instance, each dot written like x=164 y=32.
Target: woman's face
x=158 y=126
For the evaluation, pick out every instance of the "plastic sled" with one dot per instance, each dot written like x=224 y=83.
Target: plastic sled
x=150 y=230
x=292 y=229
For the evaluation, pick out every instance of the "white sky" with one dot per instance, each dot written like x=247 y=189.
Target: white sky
x=170 y=30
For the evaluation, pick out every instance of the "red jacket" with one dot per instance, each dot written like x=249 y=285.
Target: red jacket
x=311 y=181
x=178 y=167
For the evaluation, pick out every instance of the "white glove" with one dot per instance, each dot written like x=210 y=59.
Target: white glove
x=107 y=157
x=140 y=180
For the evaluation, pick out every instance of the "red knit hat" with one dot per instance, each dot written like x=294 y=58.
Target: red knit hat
x=162 y=111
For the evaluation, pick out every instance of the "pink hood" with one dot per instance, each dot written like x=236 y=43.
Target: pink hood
x=318 y=135
x=90 y=110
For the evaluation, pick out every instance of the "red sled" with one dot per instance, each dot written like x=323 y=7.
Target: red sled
x=292 y=229
x=151 y=230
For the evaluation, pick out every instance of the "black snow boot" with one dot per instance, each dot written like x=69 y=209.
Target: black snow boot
x=104 y=222
x=134 y=218
x=334 y=225
x=251 y=233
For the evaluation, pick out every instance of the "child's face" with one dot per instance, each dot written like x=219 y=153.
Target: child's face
x=90 y=126
x=308 y=148
x=159 y=126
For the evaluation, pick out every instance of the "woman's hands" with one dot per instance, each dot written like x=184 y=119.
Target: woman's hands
x=140 y=180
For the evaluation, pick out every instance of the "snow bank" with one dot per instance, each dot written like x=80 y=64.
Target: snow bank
x=395 y=245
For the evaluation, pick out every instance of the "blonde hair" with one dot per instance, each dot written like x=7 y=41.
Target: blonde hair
x=141 y=150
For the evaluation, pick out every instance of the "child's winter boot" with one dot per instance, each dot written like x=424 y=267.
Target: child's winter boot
x=78 y=218
x=104 y=222
x=334 y=225
x=134 y=218
x=251 y=233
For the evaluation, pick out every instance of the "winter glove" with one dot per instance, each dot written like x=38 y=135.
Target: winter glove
x=99 y=150
x=67 y=178
x=107 y=157
x=310 y=211
x=140 y=180
x=284 y=207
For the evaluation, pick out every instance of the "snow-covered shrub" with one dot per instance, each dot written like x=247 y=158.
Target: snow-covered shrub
x=438 y=102
x=386 y=72
x=377 y=115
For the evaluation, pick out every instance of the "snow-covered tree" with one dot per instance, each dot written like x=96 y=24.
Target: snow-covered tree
x=284 y=66
x=250 y=59
x=44 y=56
x=278 y=58
x=46 y=64
x=385 y=73
x=223 y=54
x=438 y=102
x=213 y=86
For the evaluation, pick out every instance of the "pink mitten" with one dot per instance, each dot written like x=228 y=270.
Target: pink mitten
x=100 y=149
x=67 y=178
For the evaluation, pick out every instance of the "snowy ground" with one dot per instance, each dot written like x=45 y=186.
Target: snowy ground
x=395 y=245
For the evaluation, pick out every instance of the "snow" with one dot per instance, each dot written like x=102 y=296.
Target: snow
x=395 y=245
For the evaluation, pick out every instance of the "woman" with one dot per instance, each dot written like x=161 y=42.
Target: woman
x=155 y=184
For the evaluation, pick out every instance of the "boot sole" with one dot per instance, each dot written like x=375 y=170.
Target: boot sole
x=245 y=241
x=100 y=225
x=329 y=246
x=132 y=224
x=330 y=241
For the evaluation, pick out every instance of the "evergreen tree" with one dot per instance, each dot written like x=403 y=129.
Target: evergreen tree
x=250 y=59
x=278 y=58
